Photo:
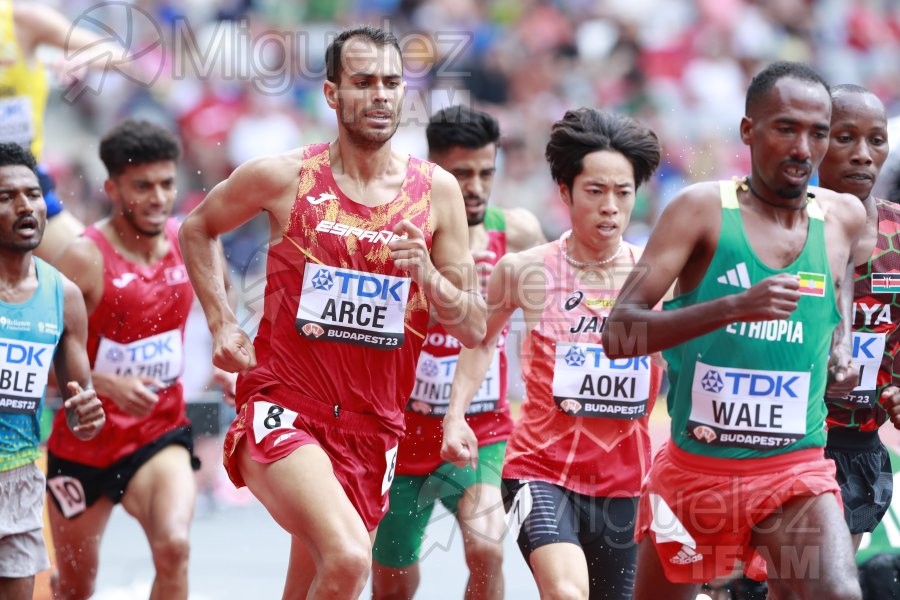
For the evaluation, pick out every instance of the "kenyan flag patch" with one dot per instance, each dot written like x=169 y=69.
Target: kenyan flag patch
x=885 y=283
x=812 y=284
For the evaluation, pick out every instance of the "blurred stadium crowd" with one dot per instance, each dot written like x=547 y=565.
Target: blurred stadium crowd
x=243 y=78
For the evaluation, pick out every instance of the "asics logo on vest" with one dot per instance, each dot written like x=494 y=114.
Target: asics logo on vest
x=736 y=277
x=362 y=235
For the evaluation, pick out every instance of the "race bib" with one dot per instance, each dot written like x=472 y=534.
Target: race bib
x=390 y=461
x=69 y=494
x=868 y=352
x=160 y=356
x=16 y=122
x=23 y=375
x=269 y=418
x=588 y=384
x=747 y=408
x=353 y=307
x=434 y=379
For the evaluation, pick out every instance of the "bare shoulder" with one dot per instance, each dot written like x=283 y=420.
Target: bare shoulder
x=518 y=263
x=697 y=199
x=444 y=187
x=523 y=230
x=519 y=279
x=692 y=216
x=845 y=209
x=268 y=175
x=74 y=302
x=81 y=255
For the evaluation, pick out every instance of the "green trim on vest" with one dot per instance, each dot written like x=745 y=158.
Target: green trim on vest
x=494 y=219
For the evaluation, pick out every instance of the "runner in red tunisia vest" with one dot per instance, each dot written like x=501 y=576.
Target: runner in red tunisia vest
x=136 y=329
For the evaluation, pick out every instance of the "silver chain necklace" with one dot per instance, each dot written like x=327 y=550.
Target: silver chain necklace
x=583 y=265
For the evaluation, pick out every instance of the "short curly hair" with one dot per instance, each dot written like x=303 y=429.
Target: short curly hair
x=134 y=142
x=12 y=154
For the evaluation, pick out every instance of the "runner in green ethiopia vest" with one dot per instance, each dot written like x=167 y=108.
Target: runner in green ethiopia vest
x=754 y=389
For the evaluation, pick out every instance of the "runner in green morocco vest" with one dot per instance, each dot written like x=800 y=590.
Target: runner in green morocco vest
x=773 y=403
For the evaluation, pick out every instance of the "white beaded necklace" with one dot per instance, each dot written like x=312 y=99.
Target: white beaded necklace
x=583 y=265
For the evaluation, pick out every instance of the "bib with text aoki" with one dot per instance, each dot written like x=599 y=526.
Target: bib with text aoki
x=353 y=307
x=588 y=384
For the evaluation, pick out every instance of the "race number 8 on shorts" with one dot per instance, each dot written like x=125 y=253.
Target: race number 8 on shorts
x=23 y=375
x=586 y=383
x=748 y=408
x=160 y=356
x=353 y=307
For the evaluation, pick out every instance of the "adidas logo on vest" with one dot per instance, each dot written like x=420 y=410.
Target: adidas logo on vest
x=737 y=277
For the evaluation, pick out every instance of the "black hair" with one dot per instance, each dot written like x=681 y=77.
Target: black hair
x=766 y=79
x=586 y=130
x=134 y=142
x=848 y=88
x=12 y=154
x=376 y=35
x=462 y=126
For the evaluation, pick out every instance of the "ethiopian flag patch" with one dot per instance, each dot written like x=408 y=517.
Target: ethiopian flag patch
x=885 y=283
x=812 y=284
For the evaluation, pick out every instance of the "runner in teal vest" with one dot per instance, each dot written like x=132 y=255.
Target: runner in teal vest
x=760 y=266
x=42 y=322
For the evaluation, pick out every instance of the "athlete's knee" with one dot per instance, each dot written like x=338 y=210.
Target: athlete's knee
x=564 y=589
x=846 y=588
x=345 y=566
x=484 y=554
x=394 y=584
x=170 y=553
x=69 y=585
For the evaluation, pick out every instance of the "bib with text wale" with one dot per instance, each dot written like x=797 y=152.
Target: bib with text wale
x=588 y=384
x=748 y=408
x=24 y=367
x=160 y=356
x=434 y=379
x=353 y=307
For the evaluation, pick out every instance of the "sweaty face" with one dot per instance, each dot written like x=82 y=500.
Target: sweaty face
x=144 y=195
x=788 y=136
x=474 y=170
x=602 y=198
x=23 y=212
x=858 y=144
x=369 y=92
